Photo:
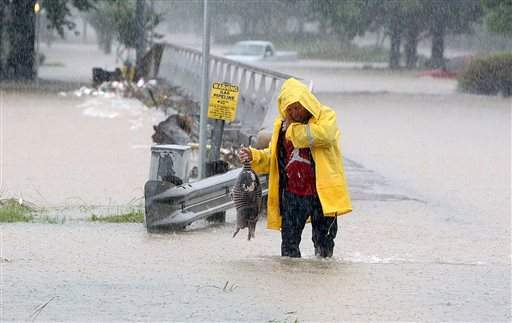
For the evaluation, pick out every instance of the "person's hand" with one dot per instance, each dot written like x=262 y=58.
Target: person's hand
x=245 y=154
x=287 y=122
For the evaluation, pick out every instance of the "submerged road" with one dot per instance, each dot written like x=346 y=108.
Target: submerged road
x=429 y=238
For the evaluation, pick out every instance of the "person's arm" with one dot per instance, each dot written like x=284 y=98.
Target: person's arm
x=320 y=133
x=259 y=158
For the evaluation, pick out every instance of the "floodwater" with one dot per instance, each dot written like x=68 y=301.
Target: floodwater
x=429 y=238
x=65 y=150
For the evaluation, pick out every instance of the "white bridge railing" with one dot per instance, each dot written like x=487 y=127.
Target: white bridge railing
x=259 y=87
x=169 y=206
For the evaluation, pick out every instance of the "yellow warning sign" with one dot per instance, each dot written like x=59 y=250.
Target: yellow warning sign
x=223 y=101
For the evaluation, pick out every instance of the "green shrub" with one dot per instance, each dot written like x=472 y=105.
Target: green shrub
x=14 y=212
x=489 y=75
x=133 y=216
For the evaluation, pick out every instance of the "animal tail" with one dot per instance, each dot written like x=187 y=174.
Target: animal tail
x=252 y=229
x=236 y=231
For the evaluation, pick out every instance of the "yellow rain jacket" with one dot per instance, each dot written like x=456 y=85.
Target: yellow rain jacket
x=321 y=135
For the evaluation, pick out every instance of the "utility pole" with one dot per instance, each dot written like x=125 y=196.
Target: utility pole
x=139 y=21
x=205 y=84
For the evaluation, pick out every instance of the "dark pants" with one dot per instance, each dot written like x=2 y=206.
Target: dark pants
x=295 y=210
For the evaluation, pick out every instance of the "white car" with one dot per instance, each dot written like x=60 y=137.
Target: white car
x=257 y=50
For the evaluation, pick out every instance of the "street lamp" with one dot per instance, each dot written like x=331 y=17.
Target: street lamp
x=37 y=9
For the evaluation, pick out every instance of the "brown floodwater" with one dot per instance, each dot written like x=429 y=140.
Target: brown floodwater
x=429 y=238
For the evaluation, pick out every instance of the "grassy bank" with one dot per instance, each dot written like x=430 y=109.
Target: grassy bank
x=134 y=216
x=12 y=211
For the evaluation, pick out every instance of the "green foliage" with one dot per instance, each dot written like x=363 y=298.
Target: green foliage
x=449 y=17
x=400 y=19
x=17 y=32
x=346 y=19
x=124 y=23
x=134 y=216
x=58 y=11
x=455 y=16
x=489 y=75
x=102 y=18
x=254 y=16
x=14 y=212
x=498 y=15
x=287 y=320
x=117 y=18
x=407 y=13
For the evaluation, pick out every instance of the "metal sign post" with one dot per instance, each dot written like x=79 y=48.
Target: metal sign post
x=217 y=134
x=203 y=119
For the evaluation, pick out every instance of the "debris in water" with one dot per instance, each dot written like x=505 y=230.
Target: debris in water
x=40 y=308
x=226 y=288
x=176 y=129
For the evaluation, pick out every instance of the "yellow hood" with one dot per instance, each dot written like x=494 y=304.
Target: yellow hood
x=293 y=91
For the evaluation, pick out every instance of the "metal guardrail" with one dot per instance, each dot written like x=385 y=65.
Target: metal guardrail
x=174 y=207
x=259 y=87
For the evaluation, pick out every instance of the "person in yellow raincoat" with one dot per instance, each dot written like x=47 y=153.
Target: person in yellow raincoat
x=305 y=168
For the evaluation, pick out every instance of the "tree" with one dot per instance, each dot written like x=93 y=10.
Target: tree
x=255 y=17
x=346 y=19
x=181 y=13
x=410 y=19
x=58 y=11
x=498 y=16
x=400 y=19
x=454 y=16
x=391 y=16
x=101 y=19
x=17 y=38
x=415 y=23
x=299 y=9
x=116 y=20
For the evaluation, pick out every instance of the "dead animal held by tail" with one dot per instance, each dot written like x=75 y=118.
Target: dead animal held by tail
x=246 y=195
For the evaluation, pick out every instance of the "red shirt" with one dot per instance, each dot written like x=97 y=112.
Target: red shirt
x=299 y=170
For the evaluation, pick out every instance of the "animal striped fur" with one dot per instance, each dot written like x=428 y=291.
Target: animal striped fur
x=246 y=195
